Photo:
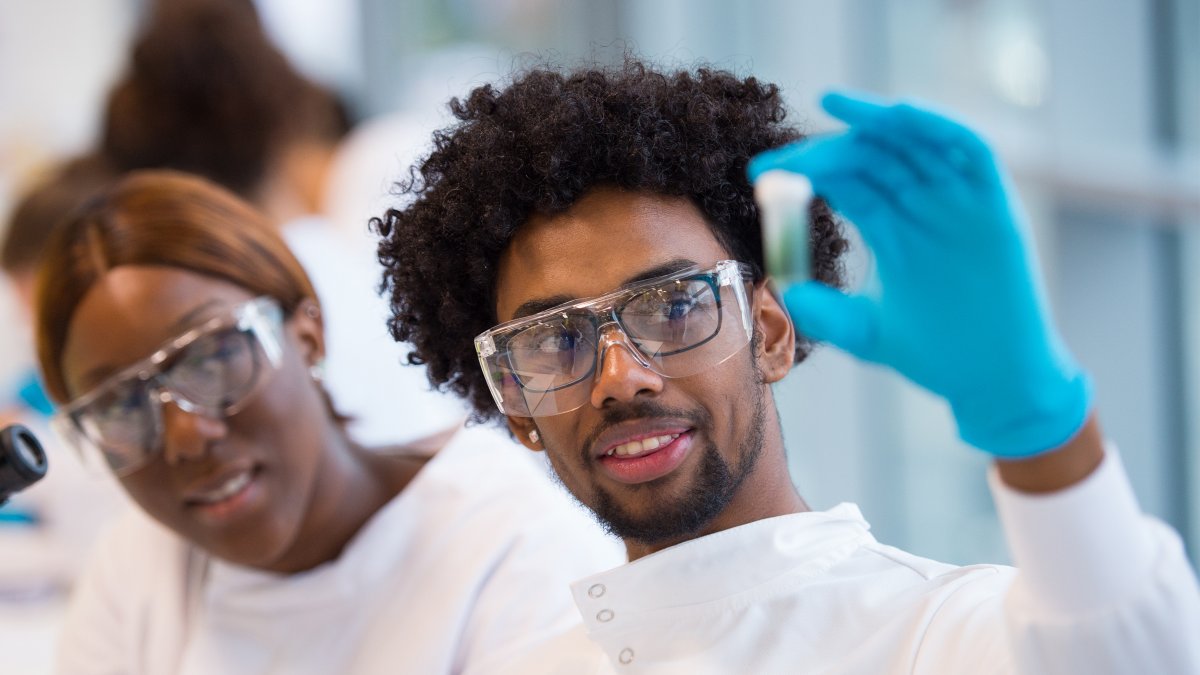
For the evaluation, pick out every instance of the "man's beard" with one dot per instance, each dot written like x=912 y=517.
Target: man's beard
x=670 y=517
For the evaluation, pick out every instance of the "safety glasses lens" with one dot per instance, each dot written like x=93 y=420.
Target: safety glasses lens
x=216 y=372
x=553 y=354
x=672 y=318
x=120 y=421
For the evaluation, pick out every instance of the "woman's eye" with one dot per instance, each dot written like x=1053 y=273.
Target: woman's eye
x=209 y=352
x=120 y=401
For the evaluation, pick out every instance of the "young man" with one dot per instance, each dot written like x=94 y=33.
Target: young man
x=597 y=232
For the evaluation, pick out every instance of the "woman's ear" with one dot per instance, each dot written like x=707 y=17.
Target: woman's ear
x=776 y=347
x=308 y=327
x=526 y=432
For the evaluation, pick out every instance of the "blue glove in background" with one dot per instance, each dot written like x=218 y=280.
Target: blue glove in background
x=960 y=310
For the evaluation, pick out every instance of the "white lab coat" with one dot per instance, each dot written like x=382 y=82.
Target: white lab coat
x=1101 y=589
x=468 y=565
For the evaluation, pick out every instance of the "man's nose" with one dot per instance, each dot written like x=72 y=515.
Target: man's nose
x=188 y=435
x=621 y=375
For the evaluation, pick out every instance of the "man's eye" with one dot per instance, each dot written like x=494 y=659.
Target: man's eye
x=680 y=306
x=559 y=341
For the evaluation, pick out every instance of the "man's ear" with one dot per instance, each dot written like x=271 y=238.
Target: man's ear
x=526 y=432
x=776 y=350
x=308 y=327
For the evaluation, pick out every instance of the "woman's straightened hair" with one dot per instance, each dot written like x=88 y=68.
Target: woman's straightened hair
x=159 y=218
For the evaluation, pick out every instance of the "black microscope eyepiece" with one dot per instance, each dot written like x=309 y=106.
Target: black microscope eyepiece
x=22 y=460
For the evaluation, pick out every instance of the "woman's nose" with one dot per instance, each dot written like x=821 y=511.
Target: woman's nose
x=188 y=435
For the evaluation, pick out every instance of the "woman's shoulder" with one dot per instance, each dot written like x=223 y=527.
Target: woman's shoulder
x=485 y=463
x=487 y=483
x=481 y=480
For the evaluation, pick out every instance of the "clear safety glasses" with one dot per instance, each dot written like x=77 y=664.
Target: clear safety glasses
x=676 y=326
x=210 y=370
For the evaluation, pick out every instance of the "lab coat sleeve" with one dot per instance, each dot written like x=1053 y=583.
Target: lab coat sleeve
x=1101 y=588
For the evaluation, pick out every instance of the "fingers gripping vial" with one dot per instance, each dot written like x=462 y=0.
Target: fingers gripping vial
x=783 y=200
x=932 y=203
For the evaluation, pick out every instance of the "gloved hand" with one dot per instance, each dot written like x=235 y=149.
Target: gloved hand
x=960 y=309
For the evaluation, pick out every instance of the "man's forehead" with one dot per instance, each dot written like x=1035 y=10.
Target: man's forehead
x=602 y=242
x=537 y=304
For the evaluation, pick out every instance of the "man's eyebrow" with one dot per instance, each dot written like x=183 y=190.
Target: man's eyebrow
x=536 y=305
x=670 y=267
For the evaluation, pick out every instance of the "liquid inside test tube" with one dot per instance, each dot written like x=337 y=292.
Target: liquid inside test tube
x=783 y=205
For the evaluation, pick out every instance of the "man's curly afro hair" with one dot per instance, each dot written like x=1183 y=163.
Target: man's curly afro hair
x=540 y=144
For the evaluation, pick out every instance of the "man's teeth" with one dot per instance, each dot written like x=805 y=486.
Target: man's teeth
x=641 y=446
x=230 y=488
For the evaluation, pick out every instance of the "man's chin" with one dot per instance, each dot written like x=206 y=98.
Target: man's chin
x=656 y=535
x=662 y=512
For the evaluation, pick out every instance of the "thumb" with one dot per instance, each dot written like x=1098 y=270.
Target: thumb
x=827 y=315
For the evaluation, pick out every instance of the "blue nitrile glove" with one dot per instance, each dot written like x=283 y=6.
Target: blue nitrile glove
x=960 y=310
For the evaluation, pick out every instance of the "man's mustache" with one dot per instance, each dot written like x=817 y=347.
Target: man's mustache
x=641 y=410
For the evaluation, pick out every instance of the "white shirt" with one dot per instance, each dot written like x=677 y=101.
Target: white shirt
x=366 y=371
x=469 y=564
x=1101 y=589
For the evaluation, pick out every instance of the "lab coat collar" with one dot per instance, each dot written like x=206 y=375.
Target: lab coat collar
x=719 y=566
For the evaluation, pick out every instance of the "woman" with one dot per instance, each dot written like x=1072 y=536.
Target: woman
x=185 y=344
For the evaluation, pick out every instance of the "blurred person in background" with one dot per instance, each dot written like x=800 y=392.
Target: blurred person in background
x=42 y=208
x=582 y=260
x=387 y=145
x=183 y=342
x=206 y=92
x=46 y=530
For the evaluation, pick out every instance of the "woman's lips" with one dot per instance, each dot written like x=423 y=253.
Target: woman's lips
x=234 y=496
x=654 y=458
